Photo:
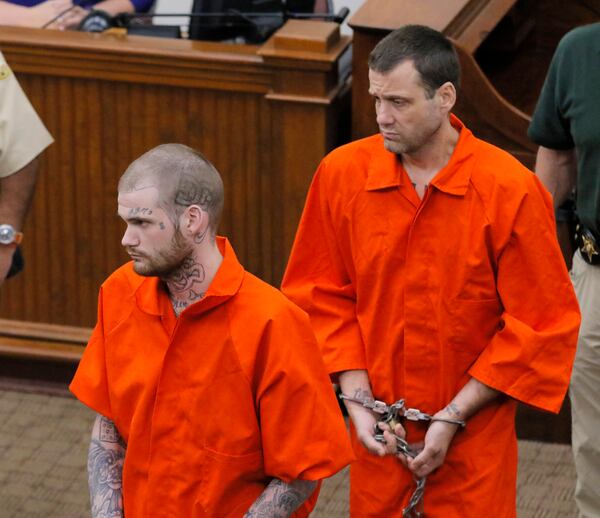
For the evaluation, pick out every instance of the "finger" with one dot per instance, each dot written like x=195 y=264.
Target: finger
x=416 y=447
x=390 y=441
x=400 y=431
x=372 y=445
x=423 y=464
x=391 y=446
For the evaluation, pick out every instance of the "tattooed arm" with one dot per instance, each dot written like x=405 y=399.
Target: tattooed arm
x=469 y=400
x=355 y=383
x=105 y=469
x=280 y=500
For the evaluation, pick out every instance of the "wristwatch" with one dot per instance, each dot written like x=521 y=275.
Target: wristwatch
x=8 y=235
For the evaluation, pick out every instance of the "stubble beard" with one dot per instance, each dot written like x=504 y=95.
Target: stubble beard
x=165 y=263
x=413 y=143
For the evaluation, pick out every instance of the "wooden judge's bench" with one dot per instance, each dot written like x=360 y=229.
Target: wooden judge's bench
x=264 y=115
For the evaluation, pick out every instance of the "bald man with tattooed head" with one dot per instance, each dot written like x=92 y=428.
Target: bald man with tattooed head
x=211 y=395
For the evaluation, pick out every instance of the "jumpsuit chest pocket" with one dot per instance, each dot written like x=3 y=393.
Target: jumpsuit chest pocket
x=225 y=417
x=472 y=324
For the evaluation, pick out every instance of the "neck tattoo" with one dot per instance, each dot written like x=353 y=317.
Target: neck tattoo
x=185 y=285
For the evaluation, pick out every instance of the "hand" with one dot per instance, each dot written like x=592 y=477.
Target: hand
x=41 y=14
x=435 y=446
x=391 y=439
x=70 y=19
x=364 y=424
x=6 y=254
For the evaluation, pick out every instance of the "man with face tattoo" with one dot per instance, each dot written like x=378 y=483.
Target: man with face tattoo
x=211 y=395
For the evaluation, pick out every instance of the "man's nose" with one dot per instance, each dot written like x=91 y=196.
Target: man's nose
x=384 y=117
x=129 y=238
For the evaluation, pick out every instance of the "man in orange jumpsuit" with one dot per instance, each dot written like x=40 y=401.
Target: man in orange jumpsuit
x=211 y=394
x=427 y=261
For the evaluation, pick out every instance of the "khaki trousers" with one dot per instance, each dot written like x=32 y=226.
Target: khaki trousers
x=585 y=389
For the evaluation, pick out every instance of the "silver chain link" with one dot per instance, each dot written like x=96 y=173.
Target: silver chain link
x=391 y=414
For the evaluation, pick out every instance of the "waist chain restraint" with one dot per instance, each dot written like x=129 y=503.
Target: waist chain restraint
x=391 y=415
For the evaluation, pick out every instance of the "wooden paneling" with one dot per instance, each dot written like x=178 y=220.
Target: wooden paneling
x=264 y=120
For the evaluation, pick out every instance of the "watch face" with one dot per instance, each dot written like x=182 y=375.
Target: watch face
x=7 y=234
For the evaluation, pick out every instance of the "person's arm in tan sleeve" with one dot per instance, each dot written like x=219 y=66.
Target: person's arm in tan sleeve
x=16 y=192
x=557 y=170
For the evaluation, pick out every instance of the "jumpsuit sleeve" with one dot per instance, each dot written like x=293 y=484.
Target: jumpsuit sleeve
x=531 y=355
x=90 y=383
x=302 y=429
x=317 y=280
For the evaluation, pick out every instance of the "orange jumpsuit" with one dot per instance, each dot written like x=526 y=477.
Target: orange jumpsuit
x=423 y=294
x=215 y=403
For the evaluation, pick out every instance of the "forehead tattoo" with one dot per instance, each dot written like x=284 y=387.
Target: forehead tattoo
x=139 y=211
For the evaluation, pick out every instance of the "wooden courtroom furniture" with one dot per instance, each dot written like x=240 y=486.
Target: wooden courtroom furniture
x=476 y=27
x=263 y=114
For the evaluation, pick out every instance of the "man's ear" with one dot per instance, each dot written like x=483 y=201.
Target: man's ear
x=447 y=96
x=195 y=220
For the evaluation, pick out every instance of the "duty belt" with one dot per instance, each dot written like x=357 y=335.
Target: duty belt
x=588 y=244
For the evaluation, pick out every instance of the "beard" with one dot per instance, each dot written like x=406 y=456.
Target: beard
x=410 y=144
x=163 y=263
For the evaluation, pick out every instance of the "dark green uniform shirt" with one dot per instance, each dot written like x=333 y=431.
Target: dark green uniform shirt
x=568 y=114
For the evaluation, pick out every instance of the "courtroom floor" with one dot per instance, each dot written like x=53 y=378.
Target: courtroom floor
x=43 y=448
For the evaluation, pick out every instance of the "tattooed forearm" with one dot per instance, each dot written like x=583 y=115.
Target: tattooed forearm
x=454 y=411
x=280 y=500
x=105 y=470
x=361 y=393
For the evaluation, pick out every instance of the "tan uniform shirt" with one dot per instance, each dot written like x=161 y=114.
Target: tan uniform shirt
x=23 y=136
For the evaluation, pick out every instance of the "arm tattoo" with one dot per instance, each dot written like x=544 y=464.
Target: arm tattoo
x=105 y=470
x=280 y=500
x=361 y=393
x=453 y=410
x=108 y=431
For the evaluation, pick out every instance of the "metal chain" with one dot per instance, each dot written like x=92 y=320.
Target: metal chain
x=390 y=414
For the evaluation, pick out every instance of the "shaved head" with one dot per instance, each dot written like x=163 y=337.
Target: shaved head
x=182 y=176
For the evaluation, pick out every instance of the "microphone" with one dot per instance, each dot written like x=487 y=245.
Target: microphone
x=97 y=21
